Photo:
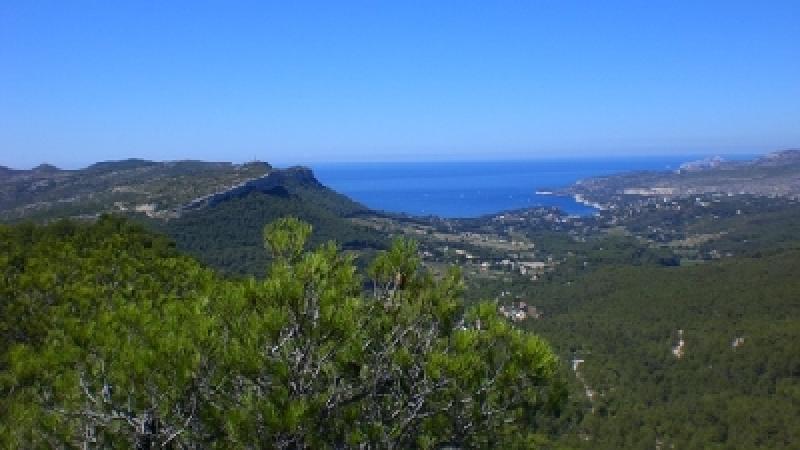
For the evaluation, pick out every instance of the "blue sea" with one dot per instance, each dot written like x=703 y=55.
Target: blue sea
x=472 y=189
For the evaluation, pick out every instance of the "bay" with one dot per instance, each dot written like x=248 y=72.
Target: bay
x=474 y=188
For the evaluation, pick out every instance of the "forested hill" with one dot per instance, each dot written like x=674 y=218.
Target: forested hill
x=214 y=211
x=774 y=174
x=225 y=230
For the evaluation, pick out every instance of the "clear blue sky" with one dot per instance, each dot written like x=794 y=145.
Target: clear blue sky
x=294 y=81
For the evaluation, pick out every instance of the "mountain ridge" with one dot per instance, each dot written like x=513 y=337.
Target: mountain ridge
x=213 y=211
x=157 y=189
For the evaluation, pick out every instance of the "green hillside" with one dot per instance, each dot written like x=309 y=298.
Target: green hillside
x=213 y=211
x=227 y=235
x=737 y=383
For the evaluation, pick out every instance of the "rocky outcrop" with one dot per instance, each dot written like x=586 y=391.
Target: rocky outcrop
x=273 y=183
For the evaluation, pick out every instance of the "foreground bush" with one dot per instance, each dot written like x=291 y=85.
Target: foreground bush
x=111 y=339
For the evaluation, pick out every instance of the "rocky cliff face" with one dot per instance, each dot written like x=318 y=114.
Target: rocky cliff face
x=273 y=183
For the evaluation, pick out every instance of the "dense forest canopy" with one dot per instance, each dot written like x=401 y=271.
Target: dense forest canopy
x=698 y=356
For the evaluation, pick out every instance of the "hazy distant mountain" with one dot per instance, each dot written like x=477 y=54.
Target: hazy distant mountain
x=775 y=174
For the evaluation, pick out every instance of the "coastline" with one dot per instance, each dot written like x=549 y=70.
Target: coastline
x=458 y=189
x=583 y=201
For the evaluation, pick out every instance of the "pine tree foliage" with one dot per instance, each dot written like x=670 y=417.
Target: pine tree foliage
x=111 y=339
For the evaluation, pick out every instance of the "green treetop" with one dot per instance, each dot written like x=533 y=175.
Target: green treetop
x=143 y=349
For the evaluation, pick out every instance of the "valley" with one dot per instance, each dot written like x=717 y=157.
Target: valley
x=673 y=313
